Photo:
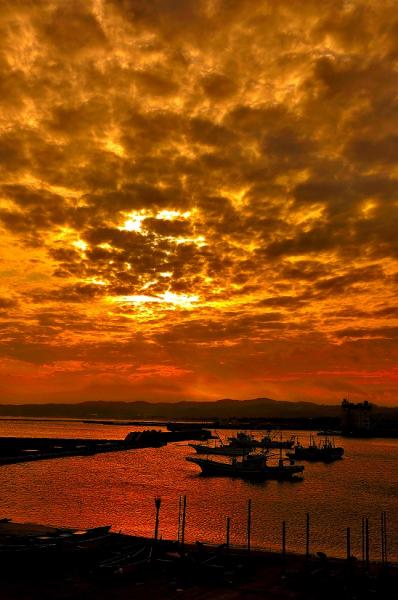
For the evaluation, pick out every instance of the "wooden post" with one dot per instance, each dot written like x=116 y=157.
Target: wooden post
x=228 y=528
x=367 y=543
x=384 y=527
x=183 y=520
x=307 y=538
x=348 y=541
x=385 y=538
x=283 y=540
x=158 y=502
x=363 y=539
x=179 y=520
x=249 y=524
x=382 y=536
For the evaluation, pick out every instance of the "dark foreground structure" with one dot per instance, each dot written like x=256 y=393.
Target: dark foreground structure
x=42 y=562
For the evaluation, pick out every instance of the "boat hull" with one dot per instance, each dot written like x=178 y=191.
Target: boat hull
x=274 y=444
x=217 y=469
x=317 y=455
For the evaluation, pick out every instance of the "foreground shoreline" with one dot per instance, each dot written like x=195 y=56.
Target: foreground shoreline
x=66 y=564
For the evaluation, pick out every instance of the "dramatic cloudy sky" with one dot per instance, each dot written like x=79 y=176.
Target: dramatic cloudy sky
x=199 y=199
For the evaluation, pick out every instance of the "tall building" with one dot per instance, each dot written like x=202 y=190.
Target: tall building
x=356 y=419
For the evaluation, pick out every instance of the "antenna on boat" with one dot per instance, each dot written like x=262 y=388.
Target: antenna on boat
x=219 y=437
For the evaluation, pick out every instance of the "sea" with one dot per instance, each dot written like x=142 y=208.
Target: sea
x=119 y=489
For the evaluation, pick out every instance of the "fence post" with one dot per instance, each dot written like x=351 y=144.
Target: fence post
x=249 y=524
x=367 y=543
x=183 y=520
x=284 y=540
x=228 y=527
x=363 y=539
x=307 y=537
x=179 y=520
x=348 y=541
x=158 y=502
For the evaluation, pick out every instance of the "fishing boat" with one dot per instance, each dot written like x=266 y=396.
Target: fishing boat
x=245 y=440
x=242 y=440
x=272 y=442
x=220 y=448
x=250 y=466
x=325 y=451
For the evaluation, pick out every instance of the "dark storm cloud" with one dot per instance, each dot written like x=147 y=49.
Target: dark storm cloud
x=6 y=304
x=341 y=283
x=69 y=293
x=371 y=332
x=218 y=86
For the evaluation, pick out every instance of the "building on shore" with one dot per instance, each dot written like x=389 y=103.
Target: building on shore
x=356 y=419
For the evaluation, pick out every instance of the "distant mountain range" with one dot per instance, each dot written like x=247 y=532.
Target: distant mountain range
x=227 y=408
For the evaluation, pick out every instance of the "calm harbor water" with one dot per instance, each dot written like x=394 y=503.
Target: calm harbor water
x=119 y=489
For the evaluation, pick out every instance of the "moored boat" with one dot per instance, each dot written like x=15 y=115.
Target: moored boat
x=325 y=451
x=268 y=442
x=272 y=442
x=223 y=450
x=251 y=466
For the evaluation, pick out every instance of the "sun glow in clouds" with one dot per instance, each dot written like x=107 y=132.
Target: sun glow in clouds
x=134 y=223
x=80 y=245
x=135 y=219
x=171 y=215
x=183 y=300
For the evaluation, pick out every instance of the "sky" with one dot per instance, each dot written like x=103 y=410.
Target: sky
x=198 y=200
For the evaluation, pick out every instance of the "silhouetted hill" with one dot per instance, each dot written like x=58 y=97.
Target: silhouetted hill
x=226 y=408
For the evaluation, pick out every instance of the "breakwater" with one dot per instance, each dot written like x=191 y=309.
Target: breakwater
x=25 y=449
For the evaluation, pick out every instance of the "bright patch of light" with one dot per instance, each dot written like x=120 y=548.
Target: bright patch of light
x=166 y=274
x=184 y=300
x=199 y=240
x=134 y=223
x=170 y=215
x=181 y=299
x=149 y=284
x=95 y=281
x=368 y=208
x=138 y=299
x=80 y=244
x=114 y=147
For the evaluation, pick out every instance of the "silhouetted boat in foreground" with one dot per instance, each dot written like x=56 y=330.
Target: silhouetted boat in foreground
x=252 y=466
x=325 y=451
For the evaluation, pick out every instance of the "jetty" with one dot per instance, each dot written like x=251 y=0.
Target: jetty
x=26 y=449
